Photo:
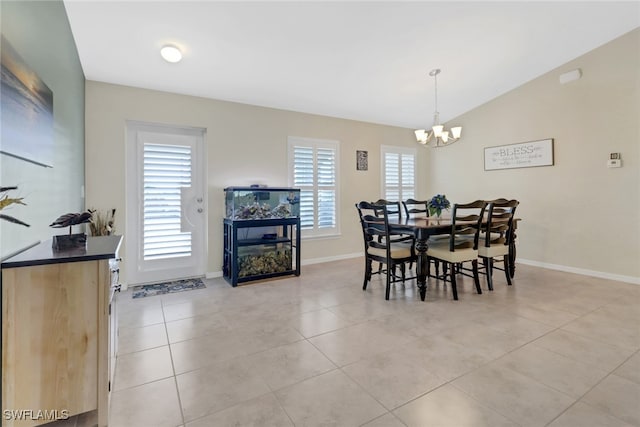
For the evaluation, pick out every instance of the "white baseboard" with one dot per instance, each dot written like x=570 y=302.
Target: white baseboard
x=331 y=258
x=213 y=274
x=582 y=271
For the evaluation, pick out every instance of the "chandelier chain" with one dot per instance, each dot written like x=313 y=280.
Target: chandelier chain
x=436 y=86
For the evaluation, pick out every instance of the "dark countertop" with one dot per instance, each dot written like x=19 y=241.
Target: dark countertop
x=100 y=247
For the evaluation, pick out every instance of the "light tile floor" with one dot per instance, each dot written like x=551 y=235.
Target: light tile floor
x=554 y=349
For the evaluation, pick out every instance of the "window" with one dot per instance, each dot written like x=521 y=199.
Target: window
x=313 y=168
x=398 y=173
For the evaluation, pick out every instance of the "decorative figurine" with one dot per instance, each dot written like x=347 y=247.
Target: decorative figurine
x=70 y=241
x=71 y=219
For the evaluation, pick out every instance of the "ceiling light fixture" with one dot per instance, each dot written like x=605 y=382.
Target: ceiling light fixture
x=171 y=53
x=437 y=137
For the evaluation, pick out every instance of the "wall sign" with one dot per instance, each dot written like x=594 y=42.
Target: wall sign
x=521 y=155
x=362 y=160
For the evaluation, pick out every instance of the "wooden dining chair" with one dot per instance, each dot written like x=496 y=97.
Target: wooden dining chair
x=394 y=211
x=413 y=207
x=382 y=247
x=462 y=243
x=497 y=238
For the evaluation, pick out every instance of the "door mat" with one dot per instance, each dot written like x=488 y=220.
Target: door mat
x=167 y=288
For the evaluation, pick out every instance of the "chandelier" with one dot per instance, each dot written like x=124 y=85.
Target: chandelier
x=437 y=137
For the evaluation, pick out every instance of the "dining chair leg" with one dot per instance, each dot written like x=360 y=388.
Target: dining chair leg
x=454 y=286
x=402 y=271
x=386 y=296
x=487 y=270
x=367 y=273
x=507 y=269
x=476 y=276
x=491 y=271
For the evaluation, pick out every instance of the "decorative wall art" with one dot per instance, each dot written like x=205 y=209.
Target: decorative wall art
x=27 y=111
x=362 y=160
x=521 y=155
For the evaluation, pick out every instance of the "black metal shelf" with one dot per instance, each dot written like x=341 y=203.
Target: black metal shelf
x=287 y=238
x=255 y=242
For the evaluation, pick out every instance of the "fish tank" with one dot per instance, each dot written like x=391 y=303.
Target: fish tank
x=250 y=203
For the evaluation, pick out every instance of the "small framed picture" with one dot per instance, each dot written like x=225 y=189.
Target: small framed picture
x=362 y=160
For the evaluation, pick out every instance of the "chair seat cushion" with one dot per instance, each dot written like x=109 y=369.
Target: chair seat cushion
x=494 y=250
x=398 y=251
x=441 y=251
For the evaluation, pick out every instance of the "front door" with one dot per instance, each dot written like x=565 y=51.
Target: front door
x=166 y=207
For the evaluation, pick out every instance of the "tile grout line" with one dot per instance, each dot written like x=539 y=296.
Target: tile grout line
x=594 y=386
x=175 y=376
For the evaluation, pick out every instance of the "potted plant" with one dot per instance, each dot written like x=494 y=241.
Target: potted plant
x=102 y=223
x=6 y=201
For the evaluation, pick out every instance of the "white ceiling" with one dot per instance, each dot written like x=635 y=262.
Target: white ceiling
x=357 y=60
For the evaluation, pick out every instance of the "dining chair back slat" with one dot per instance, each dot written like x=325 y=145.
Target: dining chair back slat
x=413 y=207
x=392 y=208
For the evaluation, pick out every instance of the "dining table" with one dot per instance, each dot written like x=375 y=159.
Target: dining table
x=423 y=227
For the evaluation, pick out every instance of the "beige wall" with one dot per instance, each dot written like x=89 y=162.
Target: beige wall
x=578 y=213
x=246 y=145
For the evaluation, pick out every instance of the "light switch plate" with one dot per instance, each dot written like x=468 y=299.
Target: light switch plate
x=616 y=163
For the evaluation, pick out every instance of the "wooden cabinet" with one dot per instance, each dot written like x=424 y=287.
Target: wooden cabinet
x=56 y=357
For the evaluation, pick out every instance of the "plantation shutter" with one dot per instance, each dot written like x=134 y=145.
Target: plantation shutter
x=314 y=167
x=326 y=166
x=303 y=178
x=407 y=166
x=167 y=169
x=398 y=173
x=392 y=177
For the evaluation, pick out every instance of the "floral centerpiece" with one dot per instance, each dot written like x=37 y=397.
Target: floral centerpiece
x=437 y=204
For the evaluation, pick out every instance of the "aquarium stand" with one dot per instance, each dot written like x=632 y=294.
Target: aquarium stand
x=260 y=249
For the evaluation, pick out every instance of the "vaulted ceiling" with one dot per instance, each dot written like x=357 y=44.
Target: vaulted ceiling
x=357 y=60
